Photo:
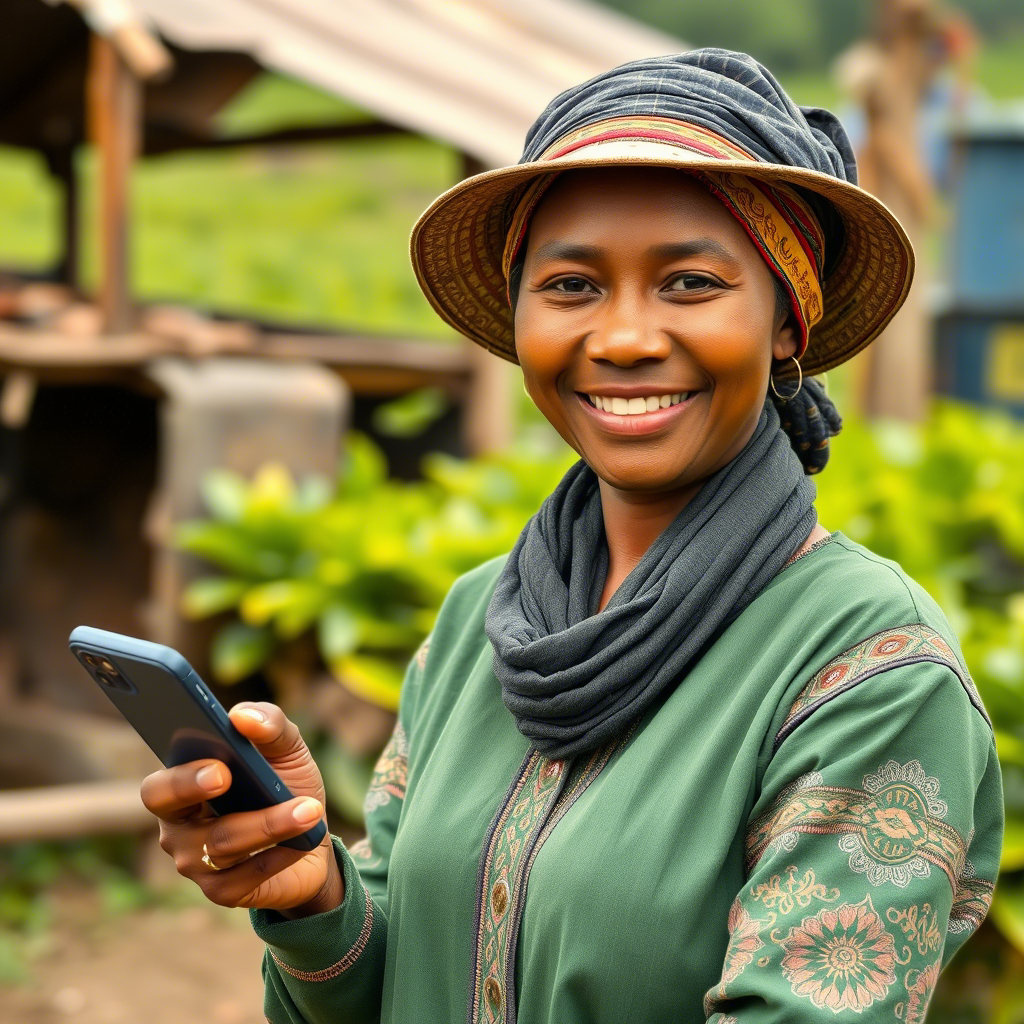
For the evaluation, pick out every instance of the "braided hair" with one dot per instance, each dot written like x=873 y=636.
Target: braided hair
x=809 y=417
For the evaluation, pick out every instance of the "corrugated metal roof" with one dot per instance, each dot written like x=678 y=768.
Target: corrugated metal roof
x=474 y=73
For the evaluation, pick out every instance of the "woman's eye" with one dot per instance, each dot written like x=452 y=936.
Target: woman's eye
x=572 y=285
x=690 y=283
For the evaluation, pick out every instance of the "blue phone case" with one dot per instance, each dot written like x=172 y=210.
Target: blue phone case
x=173 y=710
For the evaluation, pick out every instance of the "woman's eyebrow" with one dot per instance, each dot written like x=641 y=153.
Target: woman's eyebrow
x=694 y=247
x=556 y=250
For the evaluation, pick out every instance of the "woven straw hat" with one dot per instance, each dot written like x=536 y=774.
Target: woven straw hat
x=457 y=244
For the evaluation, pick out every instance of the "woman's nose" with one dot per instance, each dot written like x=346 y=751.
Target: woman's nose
x=625 y=343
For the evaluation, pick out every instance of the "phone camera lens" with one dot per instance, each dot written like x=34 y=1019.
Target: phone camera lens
x=113 y=679
x=89 y=659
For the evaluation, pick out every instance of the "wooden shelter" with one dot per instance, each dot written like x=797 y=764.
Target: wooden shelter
x=83 y=447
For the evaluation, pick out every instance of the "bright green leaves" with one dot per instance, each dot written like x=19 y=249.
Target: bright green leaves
x=361 y=566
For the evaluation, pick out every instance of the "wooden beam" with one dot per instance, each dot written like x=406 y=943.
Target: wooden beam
x=171 y=139
x=115 y=117
x=42 y=745
x=66 y=812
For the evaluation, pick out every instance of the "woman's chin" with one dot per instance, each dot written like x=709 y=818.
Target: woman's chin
x=636 y=478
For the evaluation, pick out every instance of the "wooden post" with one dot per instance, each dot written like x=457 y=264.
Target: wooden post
x=61 y=164
x=489 y=416
x=115 y=114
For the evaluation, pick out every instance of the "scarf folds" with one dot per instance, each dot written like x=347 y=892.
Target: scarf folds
x=574 y=678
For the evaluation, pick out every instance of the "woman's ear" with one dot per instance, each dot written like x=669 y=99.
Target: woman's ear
x=785 y=343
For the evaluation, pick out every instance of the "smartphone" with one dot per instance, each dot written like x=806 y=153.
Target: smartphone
x=173 y=710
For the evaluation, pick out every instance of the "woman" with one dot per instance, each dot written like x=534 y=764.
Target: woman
x=683 y=755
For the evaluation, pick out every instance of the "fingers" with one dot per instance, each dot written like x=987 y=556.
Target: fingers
x=235 y=838
x=276 y=878
x=271 y=732
x=280 y=742
x=177 y=794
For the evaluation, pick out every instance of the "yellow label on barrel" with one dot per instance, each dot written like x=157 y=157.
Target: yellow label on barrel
x=1005 y=369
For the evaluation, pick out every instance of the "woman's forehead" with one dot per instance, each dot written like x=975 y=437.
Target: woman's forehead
x=607 y=200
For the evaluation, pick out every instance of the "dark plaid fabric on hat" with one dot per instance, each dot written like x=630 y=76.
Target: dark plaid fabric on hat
x=728 y=93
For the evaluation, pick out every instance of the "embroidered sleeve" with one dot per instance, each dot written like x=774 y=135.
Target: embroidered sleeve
x=871 y=853
x=331 y=967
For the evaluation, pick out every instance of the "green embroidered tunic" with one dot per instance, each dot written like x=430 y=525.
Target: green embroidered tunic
x=807 y=827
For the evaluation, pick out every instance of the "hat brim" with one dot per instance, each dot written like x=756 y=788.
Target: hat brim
x=457 y=245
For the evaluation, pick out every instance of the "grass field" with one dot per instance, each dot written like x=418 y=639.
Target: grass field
x=317 y=234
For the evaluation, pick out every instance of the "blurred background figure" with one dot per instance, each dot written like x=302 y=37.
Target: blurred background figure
x=917 y=63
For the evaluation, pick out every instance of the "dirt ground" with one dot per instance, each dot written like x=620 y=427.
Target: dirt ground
x=156 y=966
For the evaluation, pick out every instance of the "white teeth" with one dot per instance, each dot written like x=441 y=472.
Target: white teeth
x=636 y=406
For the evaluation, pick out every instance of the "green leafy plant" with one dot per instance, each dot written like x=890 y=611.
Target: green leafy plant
x=362 y=566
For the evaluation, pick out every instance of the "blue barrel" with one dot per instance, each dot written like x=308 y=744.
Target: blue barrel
x=979 y=336
x=979 y=358
x=986 y=264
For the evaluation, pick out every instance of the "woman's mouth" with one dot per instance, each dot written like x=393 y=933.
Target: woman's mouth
x=637 y=415
x=637 y=406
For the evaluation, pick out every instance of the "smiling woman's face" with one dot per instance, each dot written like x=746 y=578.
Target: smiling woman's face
x=639 y=286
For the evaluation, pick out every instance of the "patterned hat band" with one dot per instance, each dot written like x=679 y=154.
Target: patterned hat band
x=779 y=222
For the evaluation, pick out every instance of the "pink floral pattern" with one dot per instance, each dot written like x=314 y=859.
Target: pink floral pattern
x=391 y=773
x=920 y=986
x=840 y=959
x=744 y=942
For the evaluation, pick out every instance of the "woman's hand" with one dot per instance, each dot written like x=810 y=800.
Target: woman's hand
x=250 y=870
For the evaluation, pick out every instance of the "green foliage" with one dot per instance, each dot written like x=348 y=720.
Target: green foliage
x=362 y=566
x=411 y=414
x=29 y=874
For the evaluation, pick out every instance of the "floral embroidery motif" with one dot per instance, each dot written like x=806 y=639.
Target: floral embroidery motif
x=920 y=986
x=899 y=824
x=841 y=959
x=391 y=773
x=920 y=925
x=971 y=901
x=795 y=891
x=879 y=653
x=720 y=1018
x=362 y=853
x=892 y=829
x=781 y=839
x=744 y=942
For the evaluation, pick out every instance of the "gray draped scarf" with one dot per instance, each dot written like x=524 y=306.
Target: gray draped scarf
x=574 y=677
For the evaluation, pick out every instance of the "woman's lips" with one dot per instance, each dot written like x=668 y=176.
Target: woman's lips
x=637 y=423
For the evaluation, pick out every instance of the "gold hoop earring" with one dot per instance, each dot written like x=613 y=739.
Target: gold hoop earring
x=799 y=383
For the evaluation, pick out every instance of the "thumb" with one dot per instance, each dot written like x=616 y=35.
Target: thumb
x=278 y=739
x=270 y=731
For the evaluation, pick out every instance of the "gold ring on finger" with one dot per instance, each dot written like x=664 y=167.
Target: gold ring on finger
x=208 y=861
